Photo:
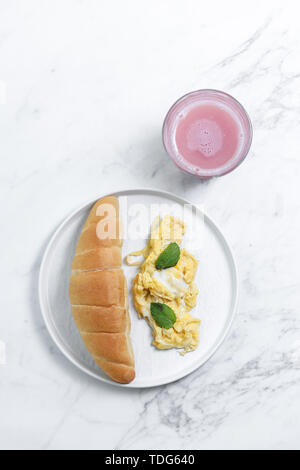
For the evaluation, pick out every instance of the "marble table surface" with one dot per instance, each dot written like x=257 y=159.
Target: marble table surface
x=84 y=87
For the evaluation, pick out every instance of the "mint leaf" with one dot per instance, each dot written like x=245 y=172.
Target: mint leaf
x=163 y=315
x=169 y=257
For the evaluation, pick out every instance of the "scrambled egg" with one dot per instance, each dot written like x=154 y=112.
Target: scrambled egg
x=172 y=286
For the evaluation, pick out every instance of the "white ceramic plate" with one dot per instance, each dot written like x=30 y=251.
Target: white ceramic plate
x=216 y=279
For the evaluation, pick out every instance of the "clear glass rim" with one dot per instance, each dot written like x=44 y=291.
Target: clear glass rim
x=197 y=171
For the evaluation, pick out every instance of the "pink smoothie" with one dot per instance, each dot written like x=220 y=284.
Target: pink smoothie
x=207 y=136
x=207 y=133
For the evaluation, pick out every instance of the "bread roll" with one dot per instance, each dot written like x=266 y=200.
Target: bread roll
x=99 y=258
x=98 y=292
x=104 y=287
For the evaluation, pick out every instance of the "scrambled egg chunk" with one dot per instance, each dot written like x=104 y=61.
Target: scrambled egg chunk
x=172 y=286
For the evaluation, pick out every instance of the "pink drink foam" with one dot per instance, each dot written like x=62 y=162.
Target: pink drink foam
x=207 y=136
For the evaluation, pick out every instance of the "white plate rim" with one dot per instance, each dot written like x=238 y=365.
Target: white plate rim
x=54 y=334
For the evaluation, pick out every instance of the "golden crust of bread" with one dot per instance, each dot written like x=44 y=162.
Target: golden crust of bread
x=114 y=347
x=118 y=372
x=98 y=292
x=99 y=288
x=96 y=236
x=96 y=319
x=107 y=207
x=100 y=258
